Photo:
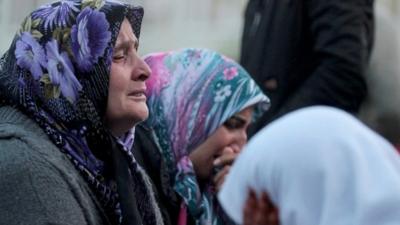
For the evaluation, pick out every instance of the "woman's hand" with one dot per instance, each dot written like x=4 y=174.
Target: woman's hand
x=224 y=161
x=259 y=211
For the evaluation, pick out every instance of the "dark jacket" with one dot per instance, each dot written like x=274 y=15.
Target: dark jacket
x=38 y=183
x=305 y=53
x=148 y=155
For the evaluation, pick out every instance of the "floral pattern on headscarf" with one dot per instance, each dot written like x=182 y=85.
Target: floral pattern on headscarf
x=190 y=94
x=57 y=72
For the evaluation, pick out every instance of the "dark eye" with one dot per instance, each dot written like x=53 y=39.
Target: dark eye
x=234 y=122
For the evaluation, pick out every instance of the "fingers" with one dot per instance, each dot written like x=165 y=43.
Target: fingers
x=273 y=214
x=261 y=217
x=260 y=211
x=273 y=218
x=268 y=213
x=222 y=165
x=225 y=159
x=250 y=208
x=228 y=150
x=219 y=178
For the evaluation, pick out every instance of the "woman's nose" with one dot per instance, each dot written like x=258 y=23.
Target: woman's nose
x=142 y=71
x=242 y=137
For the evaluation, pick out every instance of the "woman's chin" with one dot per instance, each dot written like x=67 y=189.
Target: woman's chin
x=139 y=113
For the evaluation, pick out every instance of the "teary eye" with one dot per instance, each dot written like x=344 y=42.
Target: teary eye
x=235 y=122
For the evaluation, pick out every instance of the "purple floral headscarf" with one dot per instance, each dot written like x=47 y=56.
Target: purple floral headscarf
x=57 y=72
x=190 y=94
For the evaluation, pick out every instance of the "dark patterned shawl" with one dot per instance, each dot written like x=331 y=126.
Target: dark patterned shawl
x=57 y=72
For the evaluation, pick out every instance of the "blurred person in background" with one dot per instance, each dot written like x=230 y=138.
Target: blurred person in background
x=305 y=53
x=381 y=109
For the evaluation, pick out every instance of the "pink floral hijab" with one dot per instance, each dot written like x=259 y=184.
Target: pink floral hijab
x=191 y=93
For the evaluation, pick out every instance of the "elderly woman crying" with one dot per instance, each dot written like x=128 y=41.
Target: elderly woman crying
x=72 y=88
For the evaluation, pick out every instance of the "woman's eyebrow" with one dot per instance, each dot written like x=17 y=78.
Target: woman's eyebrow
x=239 y=118
x=126 y=45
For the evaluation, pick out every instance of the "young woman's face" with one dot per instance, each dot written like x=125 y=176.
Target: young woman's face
x=126 y=104
x=229 y=137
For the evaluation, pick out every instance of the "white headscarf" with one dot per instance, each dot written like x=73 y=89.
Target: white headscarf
x=319 y=166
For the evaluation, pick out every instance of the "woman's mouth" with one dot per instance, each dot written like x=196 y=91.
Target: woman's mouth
x=138 y=95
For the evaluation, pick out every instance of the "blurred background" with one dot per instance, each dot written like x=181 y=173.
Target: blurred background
x=170 y=24
x=218 y=24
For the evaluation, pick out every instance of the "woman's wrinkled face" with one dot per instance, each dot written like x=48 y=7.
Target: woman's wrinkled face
x=228 y=138
x=126 y=104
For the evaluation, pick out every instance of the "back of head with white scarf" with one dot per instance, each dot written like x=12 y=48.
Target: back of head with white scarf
x=319 y=166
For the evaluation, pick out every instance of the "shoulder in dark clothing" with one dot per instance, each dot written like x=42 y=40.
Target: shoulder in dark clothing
x=306 y=53
x=148 y=156
x=39 y=185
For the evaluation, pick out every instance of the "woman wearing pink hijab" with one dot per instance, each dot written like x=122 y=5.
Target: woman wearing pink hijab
x=200 y=105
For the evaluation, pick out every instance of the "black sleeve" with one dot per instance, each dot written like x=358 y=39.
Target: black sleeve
x=148 y=155
x=342 y=35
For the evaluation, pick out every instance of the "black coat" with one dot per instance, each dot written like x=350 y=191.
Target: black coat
x=148 y=155
x=308 y=52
